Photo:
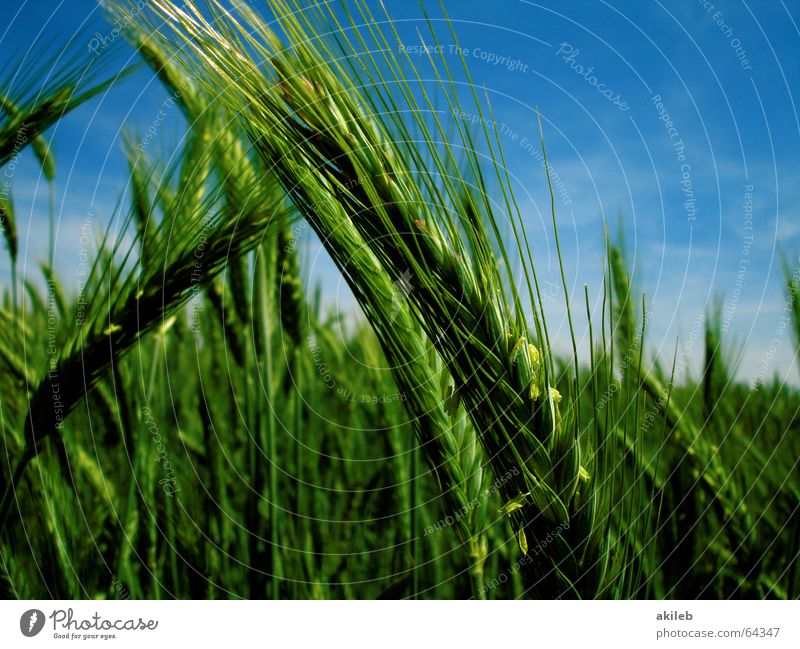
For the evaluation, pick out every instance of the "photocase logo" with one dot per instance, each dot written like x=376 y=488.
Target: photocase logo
x=402 y=289
x=31 y=622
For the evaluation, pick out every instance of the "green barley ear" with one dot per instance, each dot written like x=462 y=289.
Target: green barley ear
x=9 y=226
x=291 y=296
x=57 y=300
x=32 y=98
x=43 y=92
x=716 y=374
x=624 y=317
x=141 y=174
x=178 y=83
x=695 y=460
x=228 y=317
x=44 y=152
x=41 y=148
x=464 y=481
x=16 y=373
x=791 y=274
x=37 y=94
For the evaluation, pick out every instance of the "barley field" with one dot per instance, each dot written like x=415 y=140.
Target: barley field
x=191 y=415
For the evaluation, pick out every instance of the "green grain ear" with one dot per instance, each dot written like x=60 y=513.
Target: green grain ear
x=8 y=225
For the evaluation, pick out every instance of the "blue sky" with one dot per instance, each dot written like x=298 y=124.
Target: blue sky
x=707 y=200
